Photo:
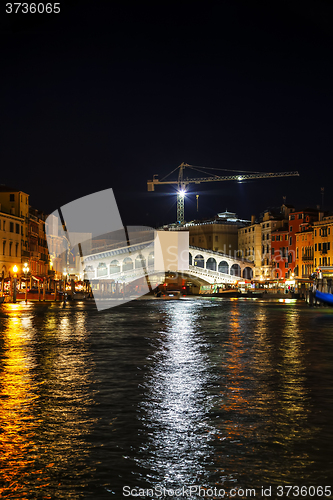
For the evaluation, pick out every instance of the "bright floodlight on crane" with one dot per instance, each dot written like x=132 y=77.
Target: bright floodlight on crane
x=183 y=182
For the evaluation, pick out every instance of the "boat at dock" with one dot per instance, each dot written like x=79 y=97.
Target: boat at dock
x=324 y=297
x=171 y=295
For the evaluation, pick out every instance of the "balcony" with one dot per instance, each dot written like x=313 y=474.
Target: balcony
x=307 y=257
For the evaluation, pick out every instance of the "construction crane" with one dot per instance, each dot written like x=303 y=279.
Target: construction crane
x=183 y=182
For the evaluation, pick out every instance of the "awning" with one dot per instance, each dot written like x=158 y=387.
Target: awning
x=37 y=278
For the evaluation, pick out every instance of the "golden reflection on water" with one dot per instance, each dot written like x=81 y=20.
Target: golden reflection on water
x=18 y=395
x=43 y=419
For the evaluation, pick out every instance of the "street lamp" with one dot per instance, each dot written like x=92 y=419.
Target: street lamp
x=26 y=270
x=64 y=290
x=15 y=269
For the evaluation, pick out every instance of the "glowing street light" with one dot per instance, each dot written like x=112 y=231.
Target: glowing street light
x=181 y=193
x=26 y=270
x=15 y=269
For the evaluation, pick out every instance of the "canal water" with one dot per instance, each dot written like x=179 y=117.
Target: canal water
x=154 y=397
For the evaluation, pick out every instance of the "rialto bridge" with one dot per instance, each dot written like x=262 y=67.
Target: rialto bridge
x=168 y=252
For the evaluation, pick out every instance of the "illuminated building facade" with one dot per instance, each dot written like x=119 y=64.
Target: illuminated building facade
x=304 y=253
x=323 y=243
x=14 y=217
x=280 y=255
x=219 y=234
x=11 y=235
x=270 y=223
x=249 y=245
x=39 y=255
x=298 y=221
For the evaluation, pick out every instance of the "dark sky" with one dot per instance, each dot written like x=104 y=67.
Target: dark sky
x=106 y=94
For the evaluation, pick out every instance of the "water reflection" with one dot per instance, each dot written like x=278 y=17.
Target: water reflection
x=176 y=406
x=44 y=394
x=263 y=429
x=18 y=405
x=208 y=392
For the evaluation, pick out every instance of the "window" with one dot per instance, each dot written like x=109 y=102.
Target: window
x=10 y=247
x=16 y=250
x=315 y=247
x=12 y=197
x=11 y=227
x=4 y=248
x=315 y=232
x=216 y=238
x=273 y=238
x=319 y=247
x=290 y=229
x=286 y=237
x=17 y=228
x=4 y=225
x=290 y=240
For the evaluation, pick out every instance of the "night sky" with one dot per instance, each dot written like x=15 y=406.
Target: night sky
x=106 y=94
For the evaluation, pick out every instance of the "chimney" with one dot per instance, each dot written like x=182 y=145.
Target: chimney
x=253 y=219
x=320 y=215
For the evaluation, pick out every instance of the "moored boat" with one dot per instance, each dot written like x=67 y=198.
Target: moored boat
x=324 y=297
x=171 y=295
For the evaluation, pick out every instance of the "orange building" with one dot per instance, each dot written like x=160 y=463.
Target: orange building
x=297 y=220
x=304 y=253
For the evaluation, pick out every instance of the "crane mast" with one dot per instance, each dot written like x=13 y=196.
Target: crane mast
x=183 y=182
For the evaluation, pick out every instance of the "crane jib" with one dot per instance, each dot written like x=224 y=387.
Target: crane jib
x=239 y=177
x=181 y=182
